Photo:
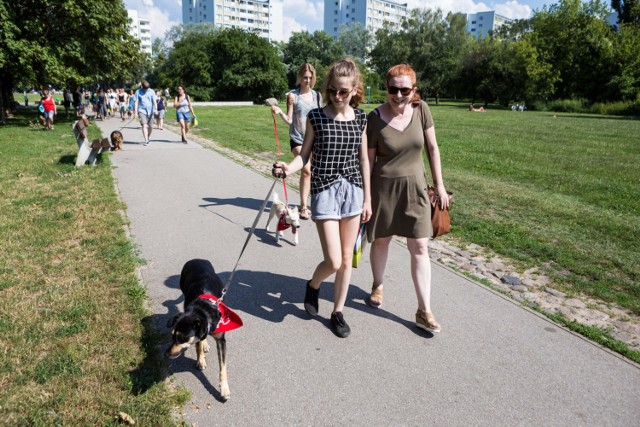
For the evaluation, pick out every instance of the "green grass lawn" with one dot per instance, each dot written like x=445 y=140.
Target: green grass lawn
x=77 y=345
x=563 y=191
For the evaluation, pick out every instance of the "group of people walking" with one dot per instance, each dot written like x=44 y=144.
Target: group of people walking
x=363 y=168
x=148 y=104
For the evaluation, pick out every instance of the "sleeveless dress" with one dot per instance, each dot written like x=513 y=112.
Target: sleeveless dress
x=300 y=111
x=399 y=198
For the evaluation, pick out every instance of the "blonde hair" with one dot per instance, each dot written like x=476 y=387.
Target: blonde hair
x=344 y=68
x=404 y=70
x=303 y=69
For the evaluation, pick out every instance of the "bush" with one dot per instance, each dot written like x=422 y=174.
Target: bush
x=620 y=108
x=568 y=106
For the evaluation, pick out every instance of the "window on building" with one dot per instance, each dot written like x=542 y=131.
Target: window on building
x=473 y=22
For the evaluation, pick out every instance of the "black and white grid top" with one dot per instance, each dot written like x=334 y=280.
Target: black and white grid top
x=336 y=149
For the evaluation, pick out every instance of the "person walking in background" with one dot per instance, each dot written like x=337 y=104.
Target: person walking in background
x=397 y=132
x=113 y=98
x=299 y=102
x=77 y=101
x=336 y=143
x=131 y=99
x=160 y=109
x=145 y=104
x=66 y=101
x=122 y=102
x=184 y=109
x=50 y=109
x=101 y=104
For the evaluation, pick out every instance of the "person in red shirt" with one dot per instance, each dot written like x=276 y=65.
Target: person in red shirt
x=50 y=109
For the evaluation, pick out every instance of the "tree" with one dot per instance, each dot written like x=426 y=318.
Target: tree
x=628 y=11
x=319 y=49
x=227 y=65
x=574 y=38
x=60 y=42
x=625 y=82
x=356 y=41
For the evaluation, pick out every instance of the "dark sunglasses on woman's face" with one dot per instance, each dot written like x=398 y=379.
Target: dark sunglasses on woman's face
x=392 y=90
x=342 y=92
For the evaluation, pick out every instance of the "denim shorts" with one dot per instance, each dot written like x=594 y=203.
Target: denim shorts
x=342 y=200
x=183 y=116
x=48 y=114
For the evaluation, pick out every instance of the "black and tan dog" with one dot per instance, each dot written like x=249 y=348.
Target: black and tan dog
x=116 y=140
x=202 y=316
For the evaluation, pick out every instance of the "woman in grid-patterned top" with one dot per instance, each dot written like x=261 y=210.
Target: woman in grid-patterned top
x=398 y=131
x=336 y=141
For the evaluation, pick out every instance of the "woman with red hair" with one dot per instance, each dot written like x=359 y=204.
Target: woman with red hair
x=397 y=131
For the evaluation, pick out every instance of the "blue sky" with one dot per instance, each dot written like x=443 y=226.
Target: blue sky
x=166 y=13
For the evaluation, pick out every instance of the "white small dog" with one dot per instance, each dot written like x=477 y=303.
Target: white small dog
x=288 y=216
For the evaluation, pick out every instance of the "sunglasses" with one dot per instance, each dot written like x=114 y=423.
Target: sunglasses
x=392 y=90
x=342 y=92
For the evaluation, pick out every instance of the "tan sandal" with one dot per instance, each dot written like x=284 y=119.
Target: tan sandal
x=426 y=321
x=375 y=299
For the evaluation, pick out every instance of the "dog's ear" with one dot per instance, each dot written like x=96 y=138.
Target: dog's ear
x=173 y=320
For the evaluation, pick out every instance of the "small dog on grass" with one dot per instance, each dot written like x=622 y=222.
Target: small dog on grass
x=288 y=216
x=203 y=315
x=116 y=140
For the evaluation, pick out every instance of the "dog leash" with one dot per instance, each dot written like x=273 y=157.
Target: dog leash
x=284 y=183
x=246 y=242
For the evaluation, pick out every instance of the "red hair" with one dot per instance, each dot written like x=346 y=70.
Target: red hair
x=401 y=70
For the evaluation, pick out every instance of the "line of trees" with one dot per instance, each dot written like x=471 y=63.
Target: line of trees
x=65 y=43
x=565 y=51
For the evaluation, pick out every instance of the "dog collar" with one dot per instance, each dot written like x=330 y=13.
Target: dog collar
x=229 y=320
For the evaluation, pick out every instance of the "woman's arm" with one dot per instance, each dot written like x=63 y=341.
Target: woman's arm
x=287 y=118
x=176 y=103
x=435 y=165
x=301 y=159
x=365 y=170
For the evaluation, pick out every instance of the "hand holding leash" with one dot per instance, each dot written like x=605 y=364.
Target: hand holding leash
x=279 y=170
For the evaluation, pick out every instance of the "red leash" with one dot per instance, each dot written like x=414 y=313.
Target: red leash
x=275 y=131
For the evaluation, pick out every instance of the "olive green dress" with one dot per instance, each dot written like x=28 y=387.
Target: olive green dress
x=399 y=198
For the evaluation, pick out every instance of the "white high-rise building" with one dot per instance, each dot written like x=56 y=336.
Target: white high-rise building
x=263 y=17
x=141 y=29
x=371 y=14
x=480 y=24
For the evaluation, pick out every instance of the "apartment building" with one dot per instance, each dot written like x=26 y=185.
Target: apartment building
x=141 y=29
x=482 y=23
x=370 y=13
x=263 y=17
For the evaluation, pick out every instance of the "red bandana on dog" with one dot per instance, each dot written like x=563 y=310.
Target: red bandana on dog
x=229 y=320
x=282 y=223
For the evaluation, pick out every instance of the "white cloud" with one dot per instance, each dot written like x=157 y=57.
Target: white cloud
x=302 y=15
x=510 y=9
x=290 y=26
x=147 y=3
x=513 y=9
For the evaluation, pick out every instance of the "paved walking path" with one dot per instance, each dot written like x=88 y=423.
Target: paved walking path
x=494 y=363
